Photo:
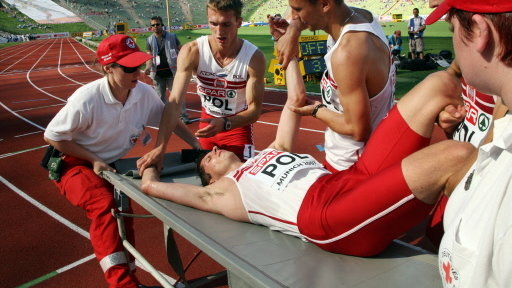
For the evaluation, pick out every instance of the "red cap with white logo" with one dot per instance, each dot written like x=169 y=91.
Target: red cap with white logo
x=121 y=49
x=475 y=6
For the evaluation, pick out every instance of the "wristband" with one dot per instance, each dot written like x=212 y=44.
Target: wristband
x=227 y=123
x=316 y=109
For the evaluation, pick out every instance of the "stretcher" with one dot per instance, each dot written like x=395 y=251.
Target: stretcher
x=255 y=256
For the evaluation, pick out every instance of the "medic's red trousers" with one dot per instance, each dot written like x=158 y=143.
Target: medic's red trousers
x=83 y=188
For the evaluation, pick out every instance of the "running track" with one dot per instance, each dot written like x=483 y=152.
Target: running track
x=44 y=240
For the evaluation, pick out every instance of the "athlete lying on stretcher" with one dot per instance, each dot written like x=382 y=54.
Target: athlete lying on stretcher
x=358 y=211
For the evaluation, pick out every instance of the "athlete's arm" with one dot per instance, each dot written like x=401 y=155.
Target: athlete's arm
x=188 y=60
x=288 y=44
x=221 y=197
x=352 y=64
x=289 y=122
x=254 y=92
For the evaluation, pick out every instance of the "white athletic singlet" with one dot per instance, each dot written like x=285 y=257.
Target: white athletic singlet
x=341 y=151
x=479 y=107
x=273 y=185
x=222 y=89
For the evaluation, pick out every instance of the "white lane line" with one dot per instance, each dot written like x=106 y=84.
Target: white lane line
x=83 y=61
x=27 y=134
x=40 y=107
x=21 y=117
x=267 y=123
x=45 y=209
x=22 y=151
x=64 y=221
x=1 y=72
x=14 y=54
x=32 y=100
x=31 y=83
x=76 y=263
x=58 y=86
x=58 y=65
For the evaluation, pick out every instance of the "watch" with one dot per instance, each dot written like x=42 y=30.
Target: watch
x=227 y=123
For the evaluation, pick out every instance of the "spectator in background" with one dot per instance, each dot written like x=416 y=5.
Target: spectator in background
x=395 y=43
x=164 y=47
x=416 y=27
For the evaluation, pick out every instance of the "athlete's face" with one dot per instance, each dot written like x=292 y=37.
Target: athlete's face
x=309 y=14
x=218 y=162
x=224 y=26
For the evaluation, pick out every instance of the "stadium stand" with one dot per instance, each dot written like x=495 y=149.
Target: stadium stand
x=103 y=14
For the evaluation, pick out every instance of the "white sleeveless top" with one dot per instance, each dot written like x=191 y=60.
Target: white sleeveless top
x=341 y=151
x=222 y=89
x=273 y=185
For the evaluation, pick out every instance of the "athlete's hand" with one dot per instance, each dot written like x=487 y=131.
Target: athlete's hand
x=307 y=109
x=215 y=125
x=99 y=166
x=450 y=117
x=288 y=44
x=277 y=26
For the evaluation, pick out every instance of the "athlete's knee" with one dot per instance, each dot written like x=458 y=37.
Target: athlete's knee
x=456 y=152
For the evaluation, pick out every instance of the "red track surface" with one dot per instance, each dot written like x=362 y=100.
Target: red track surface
x=36 y=78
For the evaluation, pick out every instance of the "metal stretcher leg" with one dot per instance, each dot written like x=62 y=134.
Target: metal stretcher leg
x=174 y=259
x=123 y=204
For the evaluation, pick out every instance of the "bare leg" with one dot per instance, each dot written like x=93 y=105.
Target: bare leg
x=437 y=168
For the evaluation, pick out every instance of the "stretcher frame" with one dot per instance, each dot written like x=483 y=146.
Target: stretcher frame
x=255 y=256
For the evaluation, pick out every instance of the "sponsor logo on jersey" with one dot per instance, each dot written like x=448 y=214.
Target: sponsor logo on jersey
x=263 y=161
x=212 y=91
x=231 y=93
x=220 y=83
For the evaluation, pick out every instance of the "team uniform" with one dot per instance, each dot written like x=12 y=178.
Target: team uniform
x=341 y=151
x=94 y=119
x=477 y=244
x=479 y=107
x=357 y=211
x=222 y=92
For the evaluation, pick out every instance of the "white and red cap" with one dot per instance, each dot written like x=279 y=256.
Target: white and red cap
x=121 y=49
